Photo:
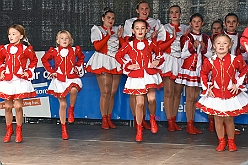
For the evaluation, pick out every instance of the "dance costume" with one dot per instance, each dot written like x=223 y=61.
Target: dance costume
x=143 y=78
x=189 y=73
x=236 y=47
x=224 y=75
x=244 y=43
x=103 y=60
x=66 y=60
x=153 y=24
x=13 y=59
x=172 y=54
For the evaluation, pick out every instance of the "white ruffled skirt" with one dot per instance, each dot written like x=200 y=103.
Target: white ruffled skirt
x=61 y=89
x=16 y=89
x=188 y=77
x=171 y=66
x=138 y=86
x=101 y=63
x=229 y=107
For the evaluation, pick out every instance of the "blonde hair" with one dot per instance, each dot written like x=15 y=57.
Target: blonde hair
x=66 y=32
x=221 y=35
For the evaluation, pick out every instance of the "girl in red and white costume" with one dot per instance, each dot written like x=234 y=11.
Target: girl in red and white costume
x=244 y=43
x=106 y=39
x=217 y=28
x=222 y=96
x=195 y=47
x=65 y=75
x=231 y=23
x=172 y=55
x=15 y=84
x=155 y=31
x=141 y=69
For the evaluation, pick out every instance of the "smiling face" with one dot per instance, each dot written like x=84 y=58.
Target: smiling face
x=175 y=14
x=222 y=44
x=139 y=30
x=231 y=23
x=63 y=40
x=14 y=36
x=108 y=19
x=196 y=24
x=143 y=11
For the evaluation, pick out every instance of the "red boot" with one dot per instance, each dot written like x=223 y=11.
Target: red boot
x=105 y=122
x=177 y=127
x=231 y=145
x=154 y=126
x=71 y=114
x=145 y=124
x=64 y=132
x=171 y=127
x=222 y=145
x=211 y=127
x=9 y=133
x=191 y=128
x=18 y=138
x=134 y=122
x=111 y=125
x=138 y=137
x=197 y=130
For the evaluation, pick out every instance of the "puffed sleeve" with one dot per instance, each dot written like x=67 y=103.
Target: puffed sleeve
x=242 y=68
x=186 y=47
x=49 y=55
x=98 y=40
x=120 y=58
x=33 y=62
x=80 y=61
x=2 y=57
x=204 y=74
x=127 y=29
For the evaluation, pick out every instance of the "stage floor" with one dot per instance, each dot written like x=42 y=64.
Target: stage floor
x=90 y=145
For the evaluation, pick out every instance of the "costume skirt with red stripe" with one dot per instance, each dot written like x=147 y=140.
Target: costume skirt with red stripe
x=224 y=107
x=61 y=89
x=101 y=63
x=16 y=89
x=138 y=86
x=171 y=66
x=188 y=77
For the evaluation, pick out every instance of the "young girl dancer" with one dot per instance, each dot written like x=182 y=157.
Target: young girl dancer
x=106 y=40
x=231 y=23
x=222 y=96
x=65 y=75
x=143 y=76
x=173 y=61
x=195 y=47
x=15 y=76
x=155 y=31
x=244 y=43
x=217 y=28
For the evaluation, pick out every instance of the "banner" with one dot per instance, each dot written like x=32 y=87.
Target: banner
x=87 y=105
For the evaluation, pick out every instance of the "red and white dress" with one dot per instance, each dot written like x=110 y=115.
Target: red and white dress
x=153 y=24
x=172 y=53
x=14 y=60
x=106 y=46
x=189 y=73
x=63 y=75
x=244 y=43
x=222 y=78
x=143 y=78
